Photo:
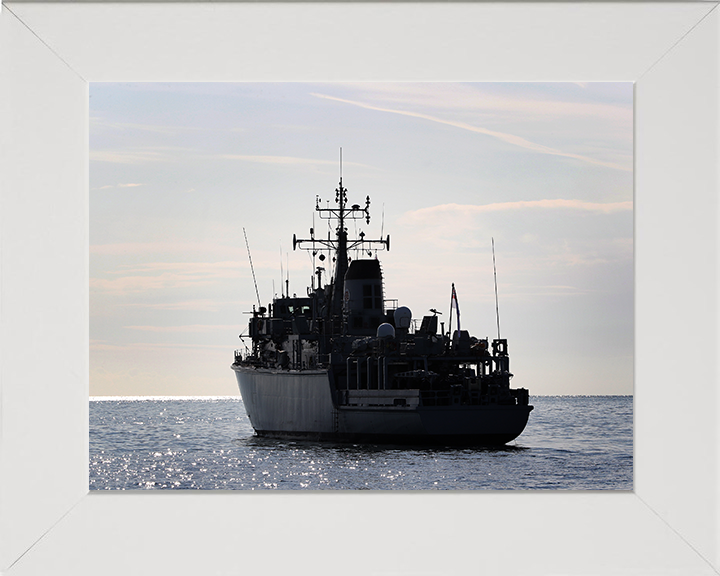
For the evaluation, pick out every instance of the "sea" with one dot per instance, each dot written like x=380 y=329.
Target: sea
x=207 y=443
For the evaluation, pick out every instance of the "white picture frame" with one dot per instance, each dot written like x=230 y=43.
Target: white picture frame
x=49 y=523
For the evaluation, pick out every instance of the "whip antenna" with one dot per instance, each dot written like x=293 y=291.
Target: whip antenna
x=251 y=267
x=497 y=311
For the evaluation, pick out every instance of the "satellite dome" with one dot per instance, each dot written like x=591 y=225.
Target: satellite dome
x=402 y=317
x=386 y=331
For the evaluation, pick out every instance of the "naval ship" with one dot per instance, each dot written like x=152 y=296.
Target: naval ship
x=344 y=364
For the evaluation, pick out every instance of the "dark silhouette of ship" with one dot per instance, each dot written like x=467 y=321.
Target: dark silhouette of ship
x=344 y=364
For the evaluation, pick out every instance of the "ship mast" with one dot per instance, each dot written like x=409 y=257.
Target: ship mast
x=340 y=244
x=341 y=261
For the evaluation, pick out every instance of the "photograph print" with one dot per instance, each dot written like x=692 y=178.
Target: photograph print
x=374 y=286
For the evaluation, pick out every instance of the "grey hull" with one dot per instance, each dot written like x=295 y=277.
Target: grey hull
x=287 y=401
x=299 y=404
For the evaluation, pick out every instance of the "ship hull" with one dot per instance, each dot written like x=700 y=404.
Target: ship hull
x=299 y=405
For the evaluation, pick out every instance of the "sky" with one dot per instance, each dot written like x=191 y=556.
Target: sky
x=179 y=171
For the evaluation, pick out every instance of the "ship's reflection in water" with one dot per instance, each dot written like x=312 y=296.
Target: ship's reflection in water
x=572 y=443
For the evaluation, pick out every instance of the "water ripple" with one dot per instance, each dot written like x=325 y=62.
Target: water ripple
x=571 y=443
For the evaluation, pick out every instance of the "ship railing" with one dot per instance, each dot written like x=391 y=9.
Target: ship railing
x=366 y=373
x=393 y=303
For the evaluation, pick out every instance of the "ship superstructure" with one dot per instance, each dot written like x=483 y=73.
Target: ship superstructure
x=344 y=363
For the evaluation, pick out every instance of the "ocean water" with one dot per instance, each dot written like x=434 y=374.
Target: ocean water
x=570 y=443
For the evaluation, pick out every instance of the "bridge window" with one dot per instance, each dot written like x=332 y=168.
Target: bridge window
x=372 y=297
x=367 y=296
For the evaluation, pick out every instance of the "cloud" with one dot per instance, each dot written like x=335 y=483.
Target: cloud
x=128 y=157
x=130 y=185
x=139 y=248
x=559 y=203
x=196 y=328
x=139 y=155
x=187 y=305
x=99 y=122
x=103 y=345
x=288 y=160
x=179 y=267
x=476 y=100
x=236 y=263
x=535 y=235
x=135 y=284
x=507 y=138
x=157 y=276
